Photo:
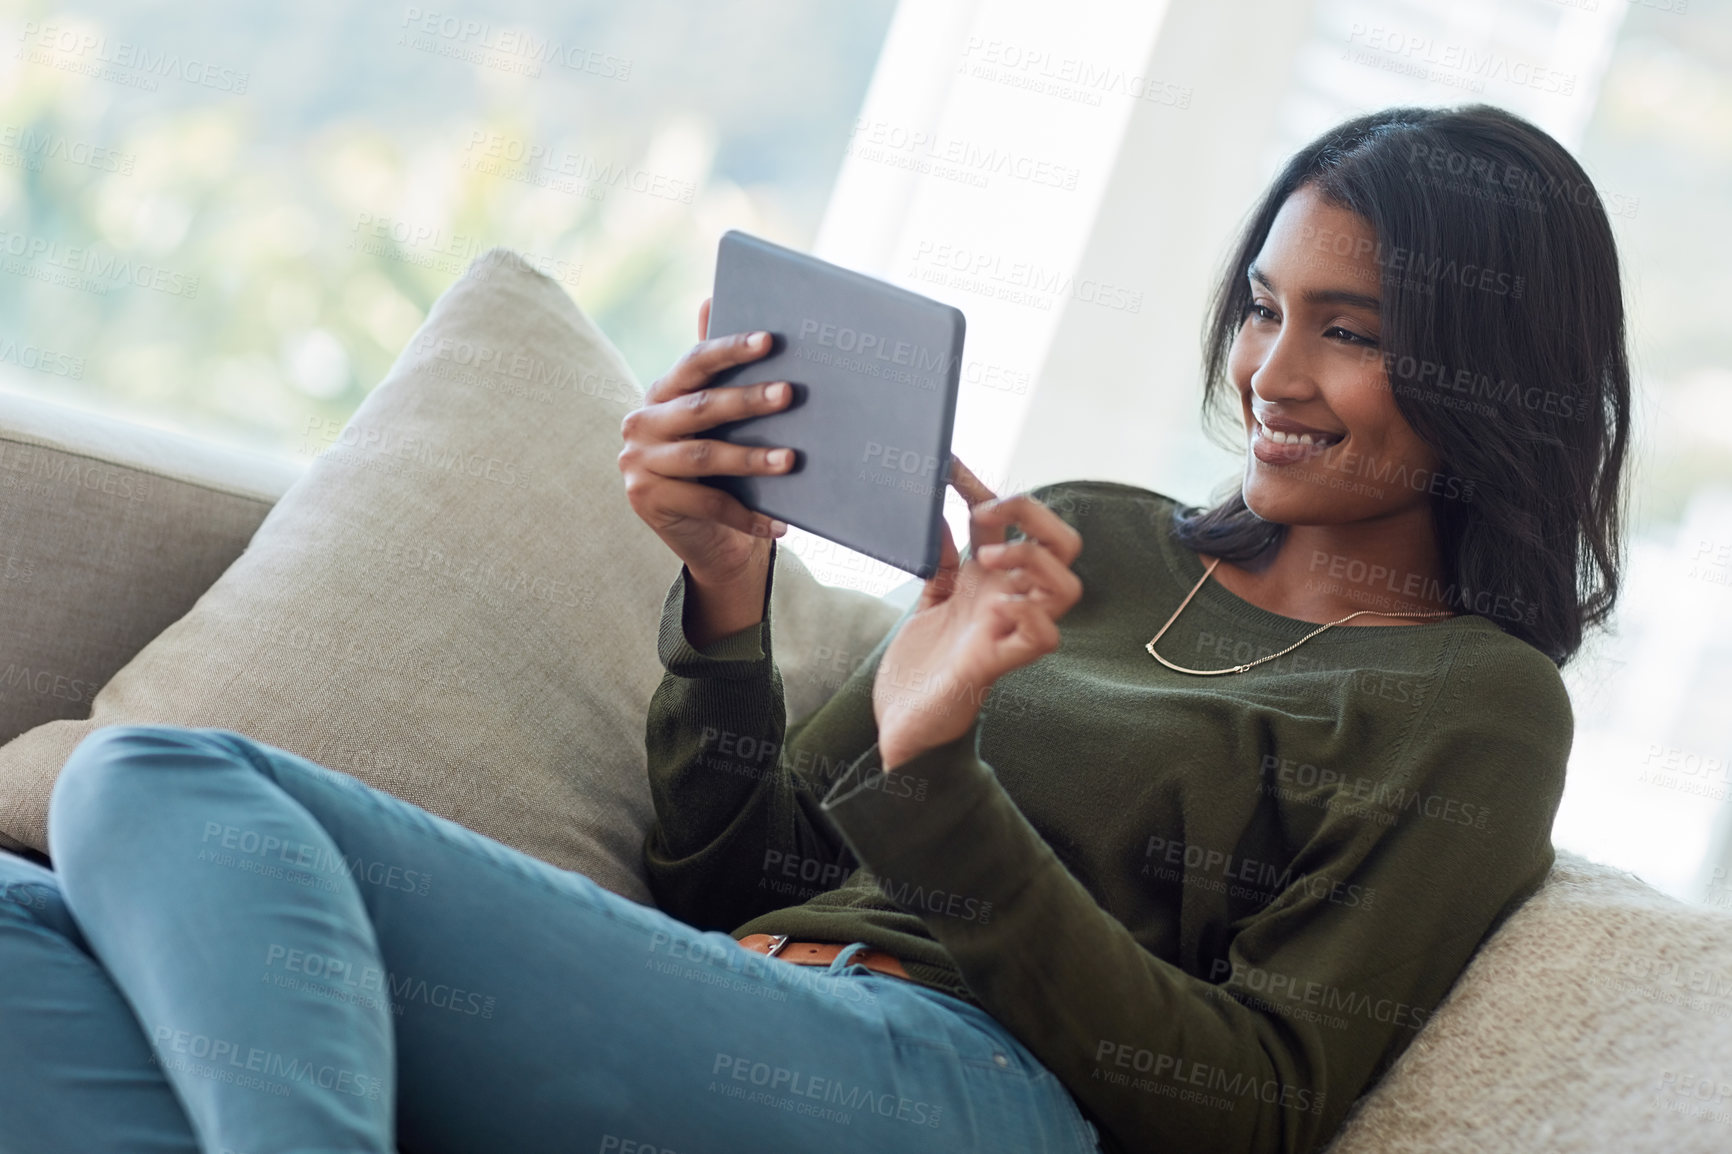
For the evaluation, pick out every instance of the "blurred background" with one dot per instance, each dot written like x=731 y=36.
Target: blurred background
x=227 y=219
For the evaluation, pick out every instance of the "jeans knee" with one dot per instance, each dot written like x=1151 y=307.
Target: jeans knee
x=107 y=778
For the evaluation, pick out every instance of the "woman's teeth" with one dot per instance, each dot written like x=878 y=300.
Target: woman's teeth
x=1281 y=438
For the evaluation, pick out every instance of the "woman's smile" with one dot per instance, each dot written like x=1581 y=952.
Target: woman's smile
x=1281 y=441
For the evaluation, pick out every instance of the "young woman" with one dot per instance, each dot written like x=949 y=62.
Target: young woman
x=1191 y=879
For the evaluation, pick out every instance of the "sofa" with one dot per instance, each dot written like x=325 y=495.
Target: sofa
x=447 y=596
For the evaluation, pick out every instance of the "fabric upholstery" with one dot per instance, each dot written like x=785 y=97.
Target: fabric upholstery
x=109 y=531
x=1598 y=1018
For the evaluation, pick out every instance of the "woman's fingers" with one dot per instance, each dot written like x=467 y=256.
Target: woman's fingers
x=700 y=457
x=1028 y=631
x=705 y=409
x=704 y=360
x=941 y=584
x=1048 y=576
x=972 y=488
x=676 y=501
x=973 y=491
x=987 y=523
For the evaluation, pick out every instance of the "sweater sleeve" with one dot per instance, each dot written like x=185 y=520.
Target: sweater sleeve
x=1312 y=998
x=734 y=790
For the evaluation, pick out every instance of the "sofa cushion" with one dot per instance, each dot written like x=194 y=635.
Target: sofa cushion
x=454 y=602
x=1597 y=1018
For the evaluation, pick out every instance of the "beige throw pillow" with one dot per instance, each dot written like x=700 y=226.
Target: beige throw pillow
x=454 y=602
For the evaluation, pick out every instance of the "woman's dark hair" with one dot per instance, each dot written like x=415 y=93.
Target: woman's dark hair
x=1503 y=339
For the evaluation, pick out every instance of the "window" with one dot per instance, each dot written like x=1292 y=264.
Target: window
x=230 y=218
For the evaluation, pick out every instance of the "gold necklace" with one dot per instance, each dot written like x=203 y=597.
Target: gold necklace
x=1241 y=668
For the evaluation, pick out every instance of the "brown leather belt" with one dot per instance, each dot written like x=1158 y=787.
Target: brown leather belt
x=821 y=953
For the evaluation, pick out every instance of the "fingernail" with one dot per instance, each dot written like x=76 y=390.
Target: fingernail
x=778 y=527
x=776 y=392
x=780 y=457
x=756 y=340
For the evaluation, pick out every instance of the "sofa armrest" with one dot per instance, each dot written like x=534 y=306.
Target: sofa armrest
x=109 y=532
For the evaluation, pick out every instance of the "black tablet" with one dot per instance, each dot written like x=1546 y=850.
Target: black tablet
x=875 y=370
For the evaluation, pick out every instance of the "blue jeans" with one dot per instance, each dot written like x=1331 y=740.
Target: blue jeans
x=242 y=951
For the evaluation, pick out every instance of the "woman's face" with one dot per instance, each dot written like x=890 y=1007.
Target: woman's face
x=1307 y=357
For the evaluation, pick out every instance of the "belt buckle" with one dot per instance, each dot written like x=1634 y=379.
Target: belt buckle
x=777 y=941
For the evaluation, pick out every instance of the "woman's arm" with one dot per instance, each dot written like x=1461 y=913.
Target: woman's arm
x=1308 y=1001
x=730 y=787
x=716 y=608
x=733 y=793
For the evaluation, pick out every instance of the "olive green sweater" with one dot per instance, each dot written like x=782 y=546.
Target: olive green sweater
x=1217 y=908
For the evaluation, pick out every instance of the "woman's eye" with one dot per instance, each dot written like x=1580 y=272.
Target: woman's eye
x=1352 y=337
x=1261 y=312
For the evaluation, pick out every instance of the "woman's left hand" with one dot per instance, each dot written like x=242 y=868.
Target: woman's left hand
x=974 y=622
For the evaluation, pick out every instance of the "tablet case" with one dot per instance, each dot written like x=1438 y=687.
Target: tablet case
x=875 y=370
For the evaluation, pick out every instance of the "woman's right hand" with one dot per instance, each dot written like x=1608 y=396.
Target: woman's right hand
x=718 y=538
